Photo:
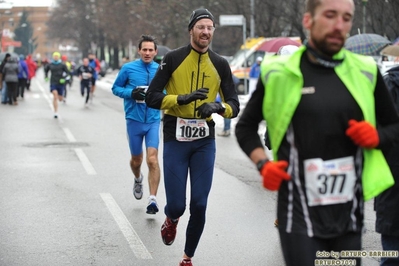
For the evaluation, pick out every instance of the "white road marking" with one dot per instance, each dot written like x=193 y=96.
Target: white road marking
x=49 y=101
x=135 y=243
x=79 y=152
x=69 y=134
x=85 y=162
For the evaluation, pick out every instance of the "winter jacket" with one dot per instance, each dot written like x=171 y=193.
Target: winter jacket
x=2 y=65
x=10 y=71
x=183 y=71
x=95 y=63
x=255 y=71
x=391 y=79
x=32 y=66
x=386 y=205
x=24 y=73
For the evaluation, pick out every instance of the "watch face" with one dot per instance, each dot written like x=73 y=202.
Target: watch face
x=261 y=163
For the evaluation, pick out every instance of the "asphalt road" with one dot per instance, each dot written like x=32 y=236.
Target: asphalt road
x=66 y=193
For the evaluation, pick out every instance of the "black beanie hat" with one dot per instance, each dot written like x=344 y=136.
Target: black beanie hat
x=199 y=14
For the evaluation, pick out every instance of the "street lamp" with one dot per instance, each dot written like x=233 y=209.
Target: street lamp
x=30 y=48
x=364 y=15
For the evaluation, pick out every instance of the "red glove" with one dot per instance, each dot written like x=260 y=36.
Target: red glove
x=273 y=174
x=363 y=134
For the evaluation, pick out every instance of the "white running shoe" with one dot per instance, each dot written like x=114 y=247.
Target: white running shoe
x=152 y=207
x=138 y=187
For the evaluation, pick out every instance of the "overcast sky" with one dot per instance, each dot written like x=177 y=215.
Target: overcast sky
x=30 y=2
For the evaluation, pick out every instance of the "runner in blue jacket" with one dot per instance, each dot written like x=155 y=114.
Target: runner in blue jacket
x=142 y=121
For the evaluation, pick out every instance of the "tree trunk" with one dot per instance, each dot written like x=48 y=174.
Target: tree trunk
x=115 y=57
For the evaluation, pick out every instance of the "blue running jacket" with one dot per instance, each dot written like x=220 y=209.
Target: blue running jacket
x=131 y=75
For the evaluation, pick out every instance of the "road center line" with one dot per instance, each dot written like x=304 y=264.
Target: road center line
x=135 y=243
x=85 y=162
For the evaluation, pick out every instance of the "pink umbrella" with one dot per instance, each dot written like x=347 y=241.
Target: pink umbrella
x=274 y=45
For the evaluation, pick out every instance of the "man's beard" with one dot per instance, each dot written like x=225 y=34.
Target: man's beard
x=200 y=44
x=325 y=48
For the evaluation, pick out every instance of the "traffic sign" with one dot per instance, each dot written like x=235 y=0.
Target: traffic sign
x=231 y=20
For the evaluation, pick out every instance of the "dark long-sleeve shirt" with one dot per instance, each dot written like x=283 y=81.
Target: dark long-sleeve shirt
x=57 y=70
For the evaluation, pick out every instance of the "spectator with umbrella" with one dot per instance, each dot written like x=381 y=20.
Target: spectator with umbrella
x=366 y=44
x=275 y=44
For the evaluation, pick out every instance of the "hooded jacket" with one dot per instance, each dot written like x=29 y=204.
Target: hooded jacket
x=11 y=70
x=24 y=72
x=32 y=66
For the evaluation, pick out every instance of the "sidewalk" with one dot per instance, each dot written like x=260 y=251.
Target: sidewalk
x=109 y=76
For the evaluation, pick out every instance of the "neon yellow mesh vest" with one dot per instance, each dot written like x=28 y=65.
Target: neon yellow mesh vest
x=284 y=83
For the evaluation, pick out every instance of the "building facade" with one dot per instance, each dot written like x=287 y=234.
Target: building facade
x=37 y=17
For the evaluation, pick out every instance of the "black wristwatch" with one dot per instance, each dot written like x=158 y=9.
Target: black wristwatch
x=261 y=163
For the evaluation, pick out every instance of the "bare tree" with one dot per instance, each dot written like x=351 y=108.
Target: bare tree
x=72 y=21
x=112 y=24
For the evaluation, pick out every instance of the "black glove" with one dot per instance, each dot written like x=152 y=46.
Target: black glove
x=207 y=109
x=138 y=94
x=200 y=94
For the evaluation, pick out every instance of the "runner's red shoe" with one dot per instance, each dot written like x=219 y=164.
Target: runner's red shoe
x=185 y=262
x=168 y=231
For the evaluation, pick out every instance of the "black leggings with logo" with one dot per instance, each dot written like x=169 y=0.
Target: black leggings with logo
x=302 y=250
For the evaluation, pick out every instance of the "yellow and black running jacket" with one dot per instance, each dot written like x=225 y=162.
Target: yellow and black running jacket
x=184 y=70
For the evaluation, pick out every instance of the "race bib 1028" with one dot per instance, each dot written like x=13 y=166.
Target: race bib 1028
x=191 y=129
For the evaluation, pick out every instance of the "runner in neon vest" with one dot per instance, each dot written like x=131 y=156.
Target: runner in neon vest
x=328 y=114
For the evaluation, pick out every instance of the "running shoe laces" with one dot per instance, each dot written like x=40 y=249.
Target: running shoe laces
x=168 y=231
x=138 y=187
